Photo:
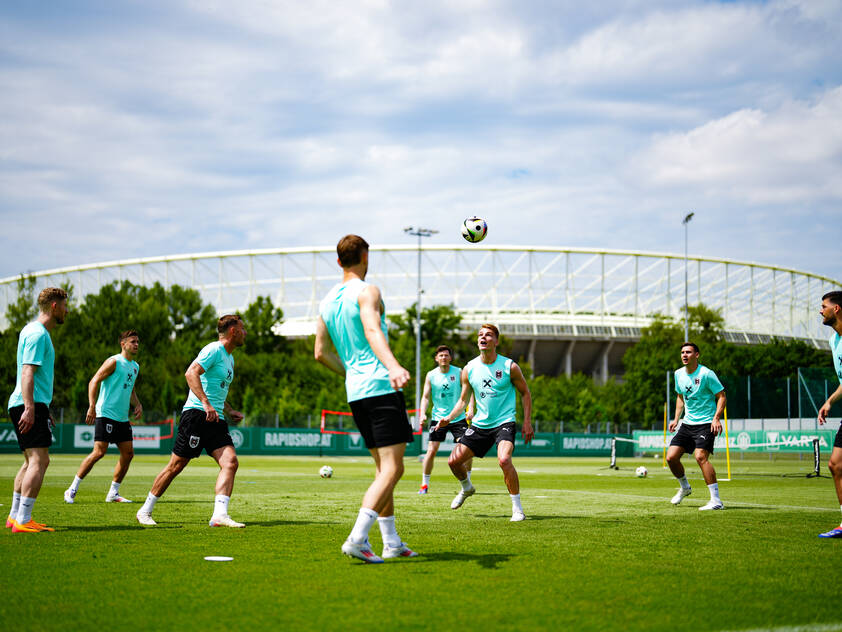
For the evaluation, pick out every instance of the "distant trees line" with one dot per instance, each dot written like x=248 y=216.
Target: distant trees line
x=277 y=379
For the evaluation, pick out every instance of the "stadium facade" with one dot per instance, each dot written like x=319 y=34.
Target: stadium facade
x=566 y=309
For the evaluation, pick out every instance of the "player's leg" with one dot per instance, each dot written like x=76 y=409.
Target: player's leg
x=709 y=473
x=461 y=455
x=427 y=466
x=126 y=449
x=505 y=449
x=390 y=458
x=680 y=444
x=85 y=467
x=388 y=471
x=16 y=490
x=166 y=476
x=835 y=466
x=226 y=458
x=37 y=462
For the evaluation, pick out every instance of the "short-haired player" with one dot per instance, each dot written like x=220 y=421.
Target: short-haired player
x=442 y=387
x=493 y=380
x=832 y=317
x=204 y=423
x=111 y=393
x=701 y=397
x=29 y=407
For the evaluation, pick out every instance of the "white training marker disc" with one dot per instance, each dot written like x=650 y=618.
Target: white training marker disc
x=218 y=558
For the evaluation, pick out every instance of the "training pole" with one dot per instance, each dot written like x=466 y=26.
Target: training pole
x=665 y=435
x=727 y=448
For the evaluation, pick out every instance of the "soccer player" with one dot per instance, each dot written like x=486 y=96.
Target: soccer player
x=204 y=423
x=832 y=317
x=110 y=393
x=442 y=385
x=352 y=316
x=29 y=407
x=703 y=396
x=493 y=380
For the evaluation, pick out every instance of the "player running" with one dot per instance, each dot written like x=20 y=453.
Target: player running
x=111 y=392
x=442 y=385
x=29 y=407
x=493 y=380
x=204 y=423
x=832 y=317
x=703 y=396
x=352 y=316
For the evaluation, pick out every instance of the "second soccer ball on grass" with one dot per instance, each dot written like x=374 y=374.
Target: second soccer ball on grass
x=326 y=471
x=641 y=472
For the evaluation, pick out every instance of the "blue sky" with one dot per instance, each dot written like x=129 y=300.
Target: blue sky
x=148 y=128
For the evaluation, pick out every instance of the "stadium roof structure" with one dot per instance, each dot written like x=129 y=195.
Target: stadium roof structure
x=566 y=309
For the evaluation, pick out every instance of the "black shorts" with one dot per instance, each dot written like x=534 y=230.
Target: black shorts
x=837 y=442
x=39 y=435
x=196 y=433
x=480 y=440
x=456 y=428
x=694 y=436
x=111 y=431
x=382 y=420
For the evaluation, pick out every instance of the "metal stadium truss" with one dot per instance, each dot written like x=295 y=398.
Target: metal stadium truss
x=566 y=308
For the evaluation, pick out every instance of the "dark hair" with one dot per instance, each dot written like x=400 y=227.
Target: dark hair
x=128 y=334
x=226 y=322
x=50 y=295
x=834 y=297
x=691 y=344
x=350 y=250
x=441 y=348
x=492 y=328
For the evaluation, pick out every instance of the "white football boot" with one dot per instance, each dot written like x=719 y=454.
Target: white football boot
x=461 y=496
x=680 y=495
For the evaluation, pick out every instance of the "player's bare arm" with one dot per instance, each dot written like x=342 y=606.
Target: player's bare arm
x=370 y=310
x=824 y=411
x=104 y=371
x=679 y=408
x=425 y=400
x=323 y=349
x=138 y=409
x=471 y=409
x=234 y=415
x=519 y=382
x=464 y=397
x=27 y=384
x=716 y=425
x=194 y=382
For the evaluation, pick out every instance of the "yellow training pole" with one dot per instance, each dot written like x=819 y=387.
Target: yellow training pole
x=727 y=448
x=665 y=435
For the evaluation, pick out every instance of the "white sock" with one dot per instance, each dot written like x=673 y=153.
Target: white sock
x=714 y=491
x=220 y=505
x=149 y=505
x=388 y=531
x=25 y=509
x=469 y=476
x=74 y=486
x=13 y=512
x=683 y=482
x=466 y=484
x=516 y=506
x=365 y=519
x=425 y=479
x=115 y=488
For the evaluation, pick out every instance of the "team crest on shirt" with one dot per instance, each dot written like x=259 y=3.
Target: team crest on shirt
x=498 y=374
x=108 y=428
x=452 y=378
x=194 y=441
x=697 y=381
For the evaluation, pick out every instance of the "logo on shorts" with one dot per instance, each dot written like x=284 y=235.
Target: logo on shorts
x=469 y=431
x=194 y=441
x=108 y=428
x=498 y=374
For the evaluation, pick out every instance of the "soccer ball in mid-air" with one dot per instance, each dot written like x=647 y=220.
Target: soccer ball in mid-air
x=326 y=471
x=474 y=229
x=641 y=472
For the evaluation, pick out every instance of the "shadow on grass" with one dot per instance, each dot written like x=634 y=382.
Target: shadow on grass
x=118 y=527
x=506 y=517
x=282 y=523
x=488 y=560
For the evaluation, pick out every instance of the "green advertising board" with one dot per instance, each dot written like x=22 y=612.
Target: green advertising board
x=748 y=440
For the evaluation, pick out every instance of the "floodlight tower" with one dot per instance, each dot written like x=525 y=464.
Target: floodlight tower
x=416 y=231
x=686 y=221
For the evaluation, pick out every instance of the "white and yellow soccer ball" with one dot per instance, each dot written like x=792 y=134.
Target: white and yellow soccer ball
x=326 y=471
x=474 y=229
x=641 y=472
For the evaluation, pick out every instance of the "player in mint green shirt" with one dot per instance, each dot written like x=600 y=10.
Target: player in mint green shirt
x=832 y=317
x=352 y=320
x=701 y=396
x=111 y=392
x=29 y=407
x=493 y=380
x=442 y=387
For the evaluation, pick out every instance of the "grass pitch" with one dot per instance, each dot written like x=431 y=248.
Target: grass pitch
x=600 y=549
